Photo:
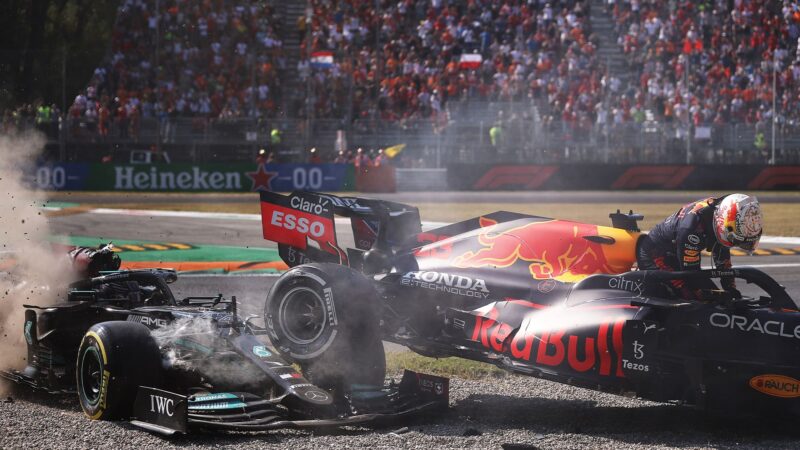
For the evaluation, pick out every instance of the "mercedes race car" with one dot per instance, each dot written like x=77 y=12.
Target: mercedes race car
x=130 y=350
x=549 y=298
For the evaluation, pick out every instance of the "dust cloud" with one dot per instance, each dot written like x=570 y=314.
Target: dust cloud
x=188 y=343
x=30 y=272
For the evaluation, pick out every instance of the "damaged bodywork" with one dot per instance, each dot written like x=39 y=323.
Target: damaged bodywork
x=129 y=349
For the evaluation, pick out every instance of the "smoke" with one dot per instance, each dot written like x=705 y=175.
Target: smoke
x=29 y=271
x=190 y=343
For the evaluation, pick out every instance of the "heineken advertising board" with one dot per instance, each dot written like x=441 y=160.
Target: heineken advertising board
x=194 y=177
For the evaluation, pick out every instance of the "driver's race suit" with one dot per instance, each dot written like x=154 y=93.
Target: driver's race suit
x=676 y=243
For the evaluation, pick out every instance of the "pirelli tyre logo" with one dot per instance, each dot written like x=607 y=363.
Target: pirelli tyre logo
x=776 y=385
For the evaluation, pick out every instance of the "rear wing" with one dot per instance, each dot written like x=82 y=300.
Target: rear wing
x=303 y=224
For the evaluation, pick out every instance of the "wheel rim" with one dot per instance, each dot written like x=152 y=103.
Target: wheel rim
x=301 y=315
x=91 y=376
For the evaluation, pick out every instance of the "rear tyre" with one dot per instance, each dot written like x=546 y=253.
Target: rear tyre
x=325 y=317
x=114 y=359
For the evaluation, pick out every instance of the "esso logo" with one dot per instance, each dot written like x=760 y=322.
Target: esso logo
x=300 y=224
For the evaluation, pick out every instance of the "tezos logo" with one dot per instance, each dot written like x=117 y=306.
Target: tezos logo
x=638 y=350
x=446 y=282
x=776 y=385
x=626 y=285
x=693 y=239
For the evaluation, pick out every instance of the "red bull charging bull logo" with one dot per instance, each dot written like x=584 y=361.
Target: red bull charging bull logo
x=554 y=249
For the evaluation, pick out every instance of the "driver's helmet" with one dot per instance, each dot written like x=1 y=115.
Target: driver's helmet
x=738 y=222
x=90 y=261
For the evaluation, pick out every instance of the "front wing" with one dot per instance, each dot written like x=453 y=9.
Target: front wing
x=168 y=413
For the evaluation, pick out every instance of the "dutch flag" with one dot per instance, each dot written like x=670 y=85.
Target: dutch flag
x=322 y=60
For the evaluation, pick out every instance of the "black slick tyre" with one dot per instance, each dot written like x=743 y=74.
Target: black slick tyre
x=325 y=317
x=114 y=359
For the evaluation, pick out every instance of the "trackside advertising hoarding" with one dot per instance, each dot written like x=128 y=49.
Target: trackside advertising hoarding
x=506 y=177
x=194 y=177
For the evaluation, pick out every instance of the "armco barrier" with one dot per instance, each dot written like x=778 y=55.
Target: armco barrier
x=621 y=177
x=194 y=177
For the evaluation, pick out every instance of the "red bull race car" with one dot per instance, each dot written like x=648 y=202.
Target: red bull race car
x=554 y=299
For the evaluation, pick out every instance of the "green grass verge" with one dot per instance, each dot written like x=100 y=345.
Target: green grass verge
x=448 y=367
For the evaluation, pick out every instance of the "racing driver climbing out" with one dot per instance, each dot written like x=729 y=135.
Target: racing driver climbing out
x=712 y=224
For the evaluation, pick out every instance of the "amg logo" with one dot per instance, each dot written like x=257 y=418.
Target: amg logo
x=149 y=322
x=453 y=284
x=742 y=323
x=626 y=285
x=162 y=405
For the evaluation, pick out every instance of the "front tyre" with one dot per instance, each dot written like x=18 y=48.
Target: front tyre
x=114 y=359
x=325 y=317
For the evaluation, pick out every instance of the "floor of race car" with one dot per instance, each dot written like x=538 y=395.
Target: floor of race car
x=484 y=414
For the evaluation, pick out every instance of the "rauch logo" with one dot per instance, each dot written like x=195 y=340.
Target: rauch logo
x=776 y=385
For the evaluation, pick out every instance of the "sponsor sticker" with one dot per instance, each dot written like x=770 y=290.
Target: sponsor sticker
x=693 y=239
x=28 y=335
x=261 y=351
x=149 y=322
x=624 y=284
x=546 y=286
x=446 y=282
x=776 y=385
x=754 y=325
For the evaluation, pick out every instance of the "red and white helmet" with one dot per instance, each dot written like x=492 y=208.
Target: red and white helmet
x=738 y=222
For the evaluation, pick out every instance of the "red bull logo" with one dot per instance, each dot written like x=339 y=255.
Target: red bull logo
x=553 y=249
x=590 y=350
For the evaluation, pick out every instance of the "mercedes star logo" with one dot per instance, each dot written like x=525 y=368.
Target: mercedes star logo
x=316 y=396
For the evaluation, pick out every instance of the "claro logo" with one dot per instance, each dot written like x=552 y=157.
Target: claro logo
x=776 y=385
x=303 y=225
x=742 y=323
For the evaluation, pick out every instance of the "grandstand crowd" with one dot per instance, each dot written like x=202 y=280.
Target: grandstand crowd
x=707 y=62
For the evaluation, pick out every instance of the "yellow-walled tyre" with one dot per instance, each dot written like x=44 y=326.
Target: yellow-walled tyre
x=114 y=359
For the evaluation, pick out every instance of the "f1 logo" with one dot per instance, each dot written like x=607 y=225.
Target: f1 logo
x=509 y=177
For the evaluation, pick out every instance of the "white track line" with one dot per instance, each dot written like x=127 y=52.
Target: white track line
x=770 y=266
x=778 y=240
